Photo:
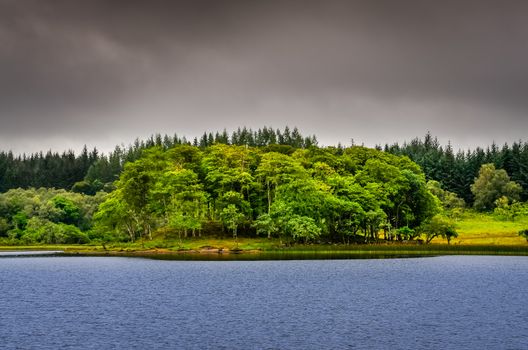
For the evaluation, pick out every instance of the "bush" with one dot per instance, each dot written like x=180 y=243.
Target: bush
x=407 y=233
x=104 y=235
x=438 y=226
x=524 y=233
x=4 y=227
x=44 y=231
x=73 y=235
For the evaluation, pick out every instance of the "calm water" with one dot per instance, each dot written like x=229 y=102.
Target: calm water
x=457 y=302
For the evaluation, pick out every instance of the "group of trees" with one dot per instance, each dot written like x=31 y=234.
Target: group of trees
x=44 y=170
x=47 y=216
x=456 y=172
x=91 y=171
x=297 y=195
x=268 y=182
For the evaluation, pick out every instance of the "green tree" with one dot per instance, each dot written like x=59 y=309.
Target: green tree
x=407 y=233
x=232 y=218
x=303 y=227
x=347 y=219
x=265 y=224
x=44 y=231
x=20 y=221
x=69 y=212
x=438 y=226
x=228 y=169
x=524 y=234
x=276 y=169
x=4 y=227
x=114 y=215
x=509 y=211
x=178 y=198
x=372 y=223
x=492 y=184
x=136 y=184
x=449 y=200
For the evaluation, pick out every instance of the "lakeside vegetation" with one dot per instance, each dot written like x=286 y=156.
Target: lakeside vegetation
x=479 y=234
x=269 y=196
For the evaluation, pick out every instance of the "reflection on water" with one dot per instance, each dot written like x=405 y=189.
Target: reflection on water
x=277 y=255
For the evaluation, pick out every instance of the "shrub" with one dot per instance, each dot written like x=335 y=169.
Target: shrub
x=524 y=233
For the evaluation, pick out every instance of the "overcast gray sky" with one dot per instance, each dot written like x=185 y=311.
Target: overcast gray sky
x=102 y=73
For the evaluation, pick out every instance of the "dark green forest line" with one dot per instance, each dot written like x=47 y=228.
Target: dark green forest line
x=269 y=182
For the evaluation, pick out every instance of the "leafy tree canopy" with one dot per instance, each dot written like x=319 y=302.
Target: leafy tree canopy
x=492 y=184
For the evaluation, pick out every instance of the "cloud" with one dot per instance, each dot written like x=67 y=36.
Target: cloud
x=104 y=72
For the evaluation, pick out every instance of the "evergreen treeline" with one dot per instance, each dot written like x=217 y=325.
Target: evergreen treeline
x=456 y=172
x=44 y=170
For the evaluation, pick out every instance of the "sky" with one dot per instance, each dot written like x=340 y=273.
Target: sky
x=102 y=73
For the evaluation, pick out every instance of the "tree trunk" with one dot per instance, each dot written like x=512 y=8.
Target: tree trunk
x=269 y=198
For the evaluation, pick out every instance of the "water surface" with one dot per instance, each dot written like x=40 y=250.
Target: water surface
x=453 y=302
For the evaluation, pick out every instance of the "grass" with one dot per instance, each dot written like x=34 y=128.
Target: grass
x=484 y=229
x=201 y=243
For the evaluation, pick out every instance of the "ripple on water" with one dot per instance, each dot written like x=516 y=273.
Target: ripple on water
x=455 y=302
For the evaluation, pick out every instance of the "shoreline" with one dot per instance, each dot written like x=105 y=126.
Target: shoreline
x=286 y=253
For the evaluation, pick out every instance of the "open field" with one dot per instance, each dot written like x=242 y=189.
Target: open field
x=483 y=229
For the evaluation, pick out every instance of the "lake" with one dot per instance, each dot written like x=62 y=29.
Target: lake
x=451 y=302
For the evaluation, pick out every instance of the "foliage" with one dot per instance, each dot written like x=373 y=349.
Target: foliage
x=90 y=171
x=524 y=234
x=47 y=215
x=302 y=227
x=69 y=213
x=265 y=224
x=438 y=226
x=456 y=172
x=302 y=195
x=407 y=233
x=44 y=231
x=509 y=211
x=271 y=182
x=492 y=184
x=232 y=218
x=449 y=200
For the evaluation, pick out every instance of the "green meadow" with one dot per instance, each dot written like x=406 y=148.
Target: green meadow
x=485 y=229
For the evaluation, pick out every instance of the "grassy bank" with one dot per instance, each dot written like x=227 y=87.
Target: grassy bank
x=479 y=234
x=257 y=249
x=484 y=229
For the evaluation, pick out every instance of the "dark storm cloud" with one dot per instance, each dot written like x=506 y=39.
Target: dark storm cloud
x=103 y=72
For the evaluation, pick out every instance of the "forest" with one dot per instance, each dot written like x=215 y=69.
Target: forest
x=269 y=183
